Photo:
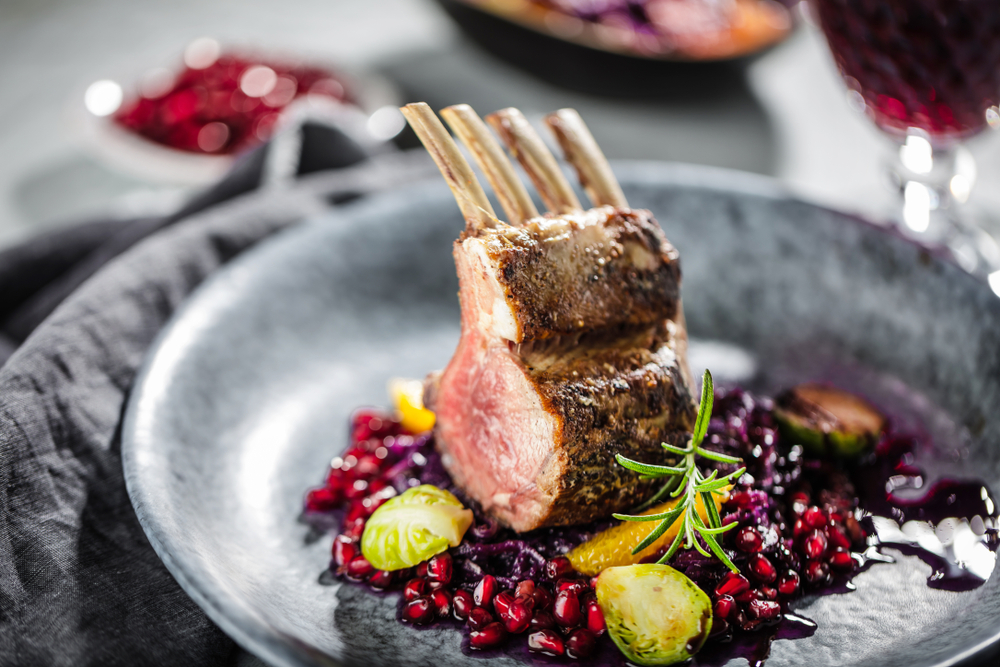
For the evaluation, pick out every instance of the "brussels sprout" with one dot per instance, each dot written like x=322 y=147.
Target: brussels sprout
x=412 y=527
x=654 y=614
x=827 y=421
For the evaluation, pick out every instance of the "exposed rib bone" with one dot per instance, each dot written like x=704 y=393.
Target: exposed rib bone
x=529 y=149
x=476 y=208
x=471 y=129
x=585 y=155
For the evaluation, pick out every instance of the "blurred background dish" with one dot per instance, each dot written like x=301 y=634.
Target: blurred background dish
x=623 y=48
x=186 y=122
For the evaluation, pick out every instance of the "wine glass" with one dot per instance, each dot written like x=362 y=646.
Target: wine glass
x=927 y=72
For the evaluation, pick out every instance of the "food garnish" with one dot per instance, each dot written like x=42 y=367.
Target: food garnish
x=687 y=483
x=408 y=398
x=654 y=614
x=826 y=420
x=415 y=525
x=613 y=547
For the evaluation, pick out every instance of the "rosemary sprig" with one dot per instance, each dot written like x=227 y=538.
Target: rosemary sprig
x=687 y=482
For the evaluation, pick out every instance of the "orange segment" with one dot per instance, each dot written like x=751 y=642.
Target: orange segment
x=407 y=398
x=613 y=547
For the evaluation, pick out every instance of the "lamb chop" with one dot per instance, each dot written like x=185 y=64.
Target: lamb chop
x=573 y=344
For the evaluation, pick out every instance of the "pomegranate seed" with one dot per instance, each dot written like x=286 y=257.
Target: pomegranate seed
x=543 y=620
x=574 y=585
x=441 y=600
x=484 y=591
x=422 y=569
x=814 y=517
x=355 y=529
x=580 y=644
x=525 y=601
x=479 y=618
x=381 y=579
x=747 y=596
x=502 y=602
x=546 y=642
x=344 y=550
x=566 y=609
x=764 y=610
x=558 y=567
x=359 y=568
x=543 y=599
x=414 y=588
x=724 y=606
x=738 y=618
x=595 y=618
x=740 y=499
x=418 y=611
x=800 y=497
x=526 y=587
x=789 y=583
x=517 y=618
x=439 y=568
x=322 y=500
x=768 y=593
x=800 y=528
x=489 y=637
x=838 y=538
x=462 y=604
x=841 y=560
x=356 y=490
x=749 y=540
x=435 y=585
x=817 y=572
x=762 y=568
x=751 y=625
x=732 y=584
x=814 y=545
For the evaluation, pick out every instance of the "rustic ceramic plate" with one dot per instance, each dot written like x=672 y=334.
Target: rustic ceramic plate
x=245 y=398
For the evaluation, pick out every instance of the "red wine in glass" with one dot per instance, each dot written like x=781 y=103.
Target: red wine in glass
x=928 y=72
x=933 y=65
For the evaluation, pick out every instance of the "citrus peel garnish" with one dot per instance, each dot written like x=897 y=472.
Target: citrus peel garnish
x=613 y=547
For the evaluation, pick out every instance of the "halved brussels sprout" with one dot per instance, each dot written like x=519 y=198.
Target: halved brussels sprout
x=413 y=526
x=827 y=421
x=654 y=614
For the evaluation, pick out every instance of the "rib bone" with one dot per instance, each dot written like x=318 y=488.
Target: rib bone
x=476 y=208
x=513 y=196
x=585 y=155
x=529 y=149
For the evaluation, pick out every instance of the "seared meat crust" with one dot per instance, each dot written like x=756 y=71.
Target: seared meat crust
x=595 y=270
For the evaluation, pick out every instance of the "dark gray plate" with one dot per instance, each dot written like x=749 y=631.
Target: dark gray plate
x=246 y=395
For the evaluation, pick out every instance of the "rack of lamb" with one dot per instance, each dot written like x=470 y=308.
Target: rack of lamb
x=573 y=344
